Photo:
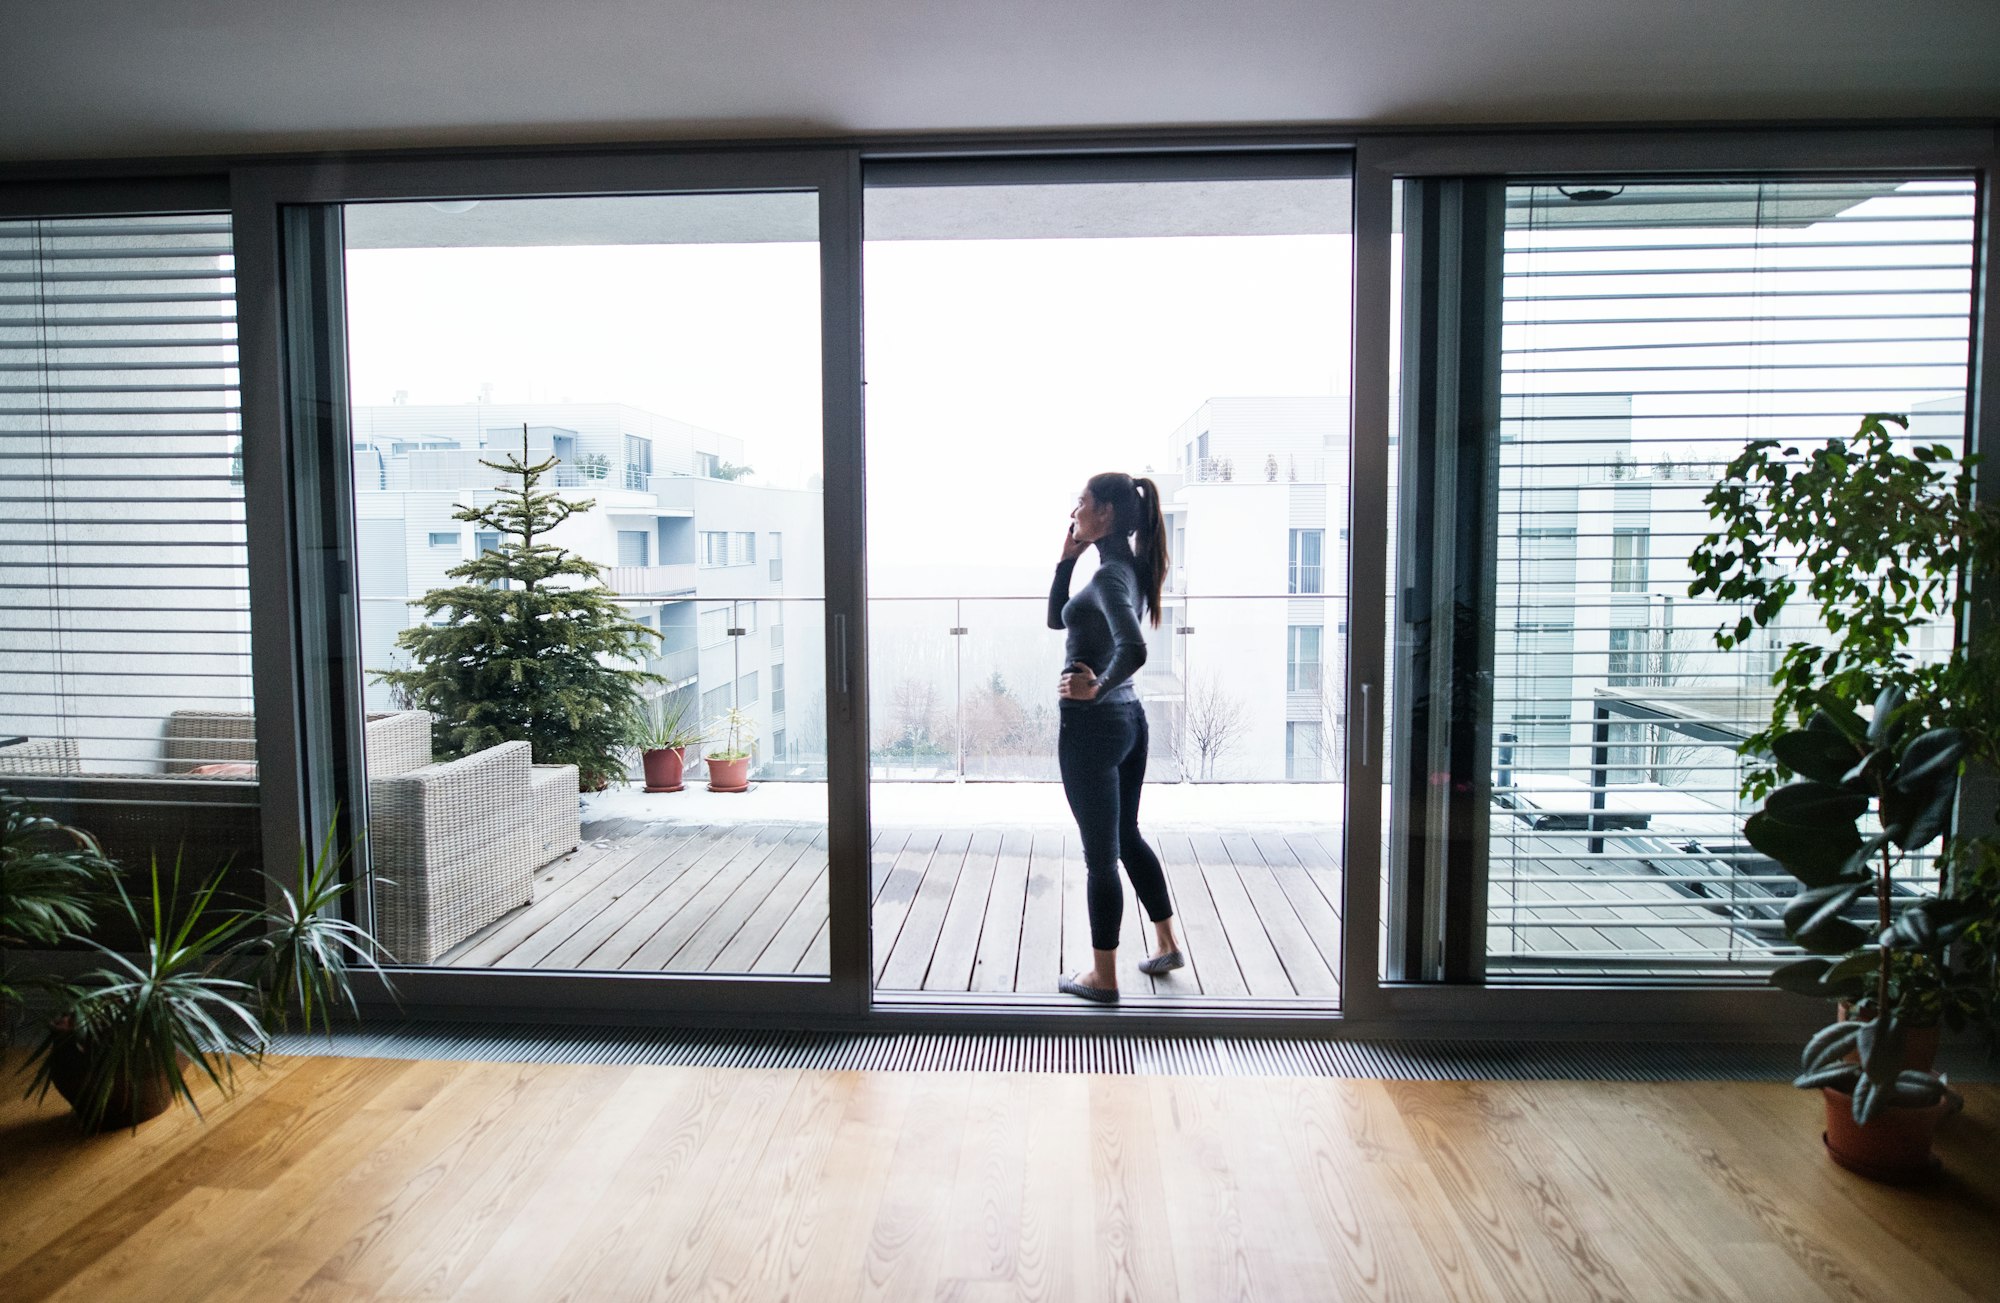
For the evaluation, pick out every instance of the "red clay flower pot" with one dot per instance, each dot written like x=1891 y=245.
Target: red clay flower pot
x=1895 y=1147
x=729 y=775
x=664 y=768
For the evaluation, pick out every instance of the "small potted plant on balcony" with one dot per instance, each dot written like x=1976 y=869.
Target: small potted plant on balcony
x=663 y=735
x=1884 y=538
x=729 y=768
x=203 y=991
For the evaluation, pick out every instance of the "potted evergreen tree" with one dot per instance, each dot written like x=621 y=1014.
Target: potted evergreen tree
x=1884 y=539
x=663 y=735
x=532 y=646
x=729 y=767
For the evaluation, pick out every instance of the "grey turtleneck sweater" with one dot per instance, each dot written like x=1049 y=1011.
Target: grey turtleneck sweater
x=1102 y=621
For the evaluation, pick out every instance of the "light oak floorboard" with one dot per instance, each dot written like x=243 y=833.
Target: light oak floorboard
x=380 y=1179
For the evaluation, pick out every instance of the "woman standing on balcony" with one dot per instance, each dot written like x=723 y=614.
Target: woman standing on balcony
x=1102 y=745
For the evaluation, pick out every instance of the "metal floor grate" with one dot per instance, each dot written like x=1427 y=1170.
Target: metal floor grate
x=1426 y=1060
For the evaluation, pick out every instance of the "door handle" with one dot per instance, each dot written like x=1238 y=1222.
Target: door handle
x=1367 y=691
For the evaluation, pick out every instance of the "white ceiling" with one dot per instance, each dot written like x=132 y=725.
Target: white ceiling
x=99 y=78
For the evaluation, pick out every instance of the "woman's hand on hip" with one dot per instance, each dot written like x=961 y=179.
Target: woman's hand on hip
x=1078 y=683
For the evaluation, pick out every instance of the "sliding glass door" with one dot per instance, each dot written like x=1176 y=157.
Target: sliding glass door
x=1585 y=359
x=1031 y=324
x=571 y=455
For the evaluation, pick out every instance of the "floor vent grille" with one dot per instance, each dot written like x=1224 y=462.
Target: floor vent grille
x=1430 y=1060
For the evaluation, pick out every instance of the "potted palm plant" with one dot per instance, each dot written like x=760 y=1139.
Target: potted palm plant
x=1884 y=537
x=729 y=767
x=203 y=991
x=663 y=734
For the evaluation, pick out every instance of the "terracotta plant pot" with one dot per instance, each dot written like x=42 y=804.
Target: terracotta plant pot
x=729 y=775
x=665 y=768
x=1895 y=1147
x=130 y=1103
x=1920 y=1044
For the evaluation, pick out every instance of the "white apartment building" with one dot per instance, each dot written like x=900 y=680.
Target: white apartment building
x=728 y=571
x=1257 y=510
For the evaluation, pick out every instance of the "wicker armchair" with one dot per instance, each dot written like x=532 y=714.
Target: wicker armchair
x=53 y=756
x=455 y=846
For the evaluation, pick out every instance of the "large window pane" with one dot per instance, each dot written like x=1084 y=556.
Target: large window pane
x=659 y=356
x=1022 y=338
x=125 y=680
x=1649 y=331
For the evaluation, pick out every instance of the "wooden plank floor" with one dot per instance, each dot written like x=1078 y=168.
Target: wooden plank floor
x=954 y=910
x=353 y=1179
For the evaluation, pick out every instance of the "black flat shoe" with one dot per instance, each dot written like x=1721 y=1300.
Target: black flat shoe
x=1158 y=964
x=1094 y=994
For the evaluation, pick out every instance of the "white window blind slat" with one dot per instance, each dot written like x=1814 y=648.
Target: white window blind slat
x=1648 y=334
x=124 y=601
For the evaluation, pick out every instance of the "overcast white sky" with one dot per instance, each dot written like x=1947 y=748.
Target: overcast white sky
x=1001 y=374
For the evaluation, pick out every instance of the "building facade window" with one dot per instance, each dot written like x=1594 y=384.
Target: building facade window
x=1302 y=658
x=714 y=625
x=635 y=547
x=746 y=689
x=444 y=538
x=1626 y=666
x=777 y=690
x=1302 y=750
x=1629 y=548
x=1307 y=550
x=638 y=462
x=715 y=703
x=707 y=464
x=777 y=557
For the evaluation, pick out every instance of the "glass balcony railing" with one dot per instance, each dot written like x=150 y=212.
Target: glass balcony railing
x=1237 y=689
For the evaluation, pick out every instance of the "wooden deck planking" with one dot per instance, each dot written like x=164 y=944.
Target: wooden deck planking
x=792 y=949
x=639 y=914
x=917 y=940
x=957 y=947
x=793 y=892
x=898 y=892
x=987 y=911
x=1205 y=940
x=1256 y=955
x=1041 y=925
x=1296 y=947
x=1308 y=890
x=1006 y=906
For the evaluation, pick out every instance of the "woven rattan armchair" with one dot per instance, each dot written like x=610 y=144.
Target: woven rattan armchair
x=454 y=846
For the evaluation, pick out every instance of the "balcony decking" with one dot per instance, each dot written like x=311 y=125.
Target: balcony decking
x=984 y=911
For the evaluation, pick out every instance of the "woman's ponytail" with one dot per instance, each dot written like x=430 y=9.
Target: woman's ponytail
x=1135 y=504
x=1151 y=551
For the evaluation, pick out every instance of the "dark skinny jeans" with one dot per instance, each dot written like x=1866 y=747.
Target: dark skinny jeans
x=1102 y=751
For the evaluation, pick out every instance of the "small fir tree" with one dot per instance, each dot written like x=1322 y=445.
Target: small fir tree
x=527 y=646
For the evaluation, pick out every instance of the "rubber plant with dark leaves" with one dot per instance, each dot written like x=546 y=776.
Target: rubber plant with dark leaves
x=1871 y=794
x=1885 y=538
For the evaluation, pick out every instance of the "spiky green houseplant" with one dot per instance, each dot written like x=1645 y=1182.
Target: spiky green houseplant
x=202 y=991
x=50 y=876
x=528 y=645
